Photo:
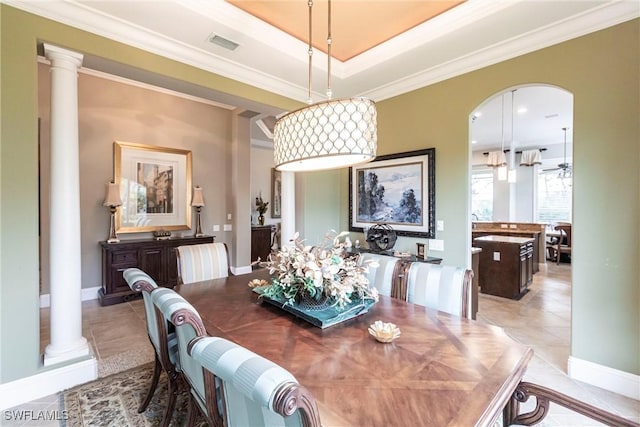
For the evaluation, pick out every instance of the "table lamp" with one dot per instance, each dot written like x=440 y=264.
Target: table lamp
x=112 y=200
x=198 y=202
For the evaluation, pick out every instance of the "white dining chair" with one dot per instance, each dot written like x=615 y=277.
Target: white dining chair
x=202 y=262
x=444 y=288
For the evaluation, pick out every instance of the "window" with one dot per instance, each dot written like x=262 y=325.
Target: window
x=482 y=195
x=554 y=197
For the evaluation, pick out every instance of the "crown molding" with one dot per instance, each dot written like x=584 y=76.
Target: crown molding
x=80 y=16
x=596 y=19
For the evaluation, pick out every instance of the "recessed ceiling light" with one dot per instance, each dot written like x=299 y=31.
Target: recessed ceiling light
x=477 y=114
x=222 y=42
x=522 y=110
x=473 y=141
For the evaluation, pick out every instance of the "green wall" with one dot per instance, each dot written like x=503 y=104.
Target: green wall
x=601 y=70
x=19 y=281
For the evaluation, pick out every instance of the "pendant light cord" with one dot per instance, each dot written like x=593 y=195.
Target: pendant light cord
x=329 y=40
x=310 y=52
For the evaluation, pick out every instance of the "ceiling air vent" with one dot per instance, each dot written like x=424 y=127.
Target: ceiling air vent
x=222 y=42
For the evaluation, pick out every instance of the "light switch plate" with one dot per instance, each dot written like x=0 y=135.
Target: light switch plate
x=436 y=245
x=227 y=227
x=496 y=256
x=504 y=225
x=513 y=225
x=440 y=225
x=216 y=227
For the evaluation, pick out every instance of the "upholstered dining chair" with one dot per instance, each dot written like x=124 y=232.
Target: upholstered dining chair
x=253 y=390
x=188 y=325
x=383 y=271
x=444 y=288
x=563 y=245
x=202 y=262
x=164 y=342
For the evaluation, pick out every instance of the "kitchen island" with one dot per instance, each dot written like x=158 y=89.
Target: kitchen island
x=505 y=265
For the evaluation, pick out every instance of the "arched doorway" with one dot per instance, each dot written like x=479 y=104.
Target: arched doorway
x=533 y=126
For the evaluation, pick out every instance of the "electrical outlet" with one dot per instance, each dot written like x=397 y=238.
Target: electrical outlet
x=227 y=227
x=504 y=225
x=513 y=225
x=216 y=227
x=496 y=256
x=436 y=244
x=440 y=225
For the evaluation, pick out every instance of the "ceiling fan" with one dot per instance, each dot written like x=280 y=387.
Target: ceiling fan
x=564 y=167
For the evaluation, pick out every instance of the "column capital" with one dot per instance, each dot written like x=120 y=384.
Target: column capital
x=55 y=53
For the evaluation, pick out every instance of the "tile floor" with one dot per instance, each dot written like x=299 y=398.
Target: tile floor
x=541 y=319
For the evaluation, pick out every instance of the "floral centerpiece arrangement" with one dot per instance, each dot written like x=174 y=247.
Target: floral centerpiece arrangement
x=318 y=273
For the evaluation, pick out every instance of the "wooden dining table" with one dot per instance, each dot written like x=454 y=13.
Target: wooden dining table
x=443 y=370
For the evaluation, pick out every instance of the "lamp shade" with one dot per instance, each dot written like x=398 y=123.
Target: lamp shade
x=112 y=195
x=198 y=198
x=326 y=135
x=496 y=159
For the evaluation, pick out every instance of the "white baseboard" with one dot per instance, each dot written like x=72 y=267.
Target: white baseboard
x=87 y=295
x=47 y=383
x=241 y=270
x=604 y=377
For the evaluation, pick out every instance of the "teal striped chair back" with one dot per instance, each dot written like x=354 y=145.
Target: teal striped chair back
x=202 y=262
x=164 y=342
x=255 y=391
x=443 y=288
x=139 y=281
x=383 y=275
x=169 y=303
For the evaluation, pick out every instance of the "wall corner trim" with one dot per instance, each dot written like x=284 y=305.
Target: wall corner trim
x=604 y=377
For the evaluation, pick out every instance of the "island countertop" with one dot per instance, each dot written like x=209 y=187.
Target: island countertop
x=504 y=239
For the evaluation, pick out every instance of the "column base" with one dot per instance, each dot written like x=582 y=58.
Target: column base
x=54 y=356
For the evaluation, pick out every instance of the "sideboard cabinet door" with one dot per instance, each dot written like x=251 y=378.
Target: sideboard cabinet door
x=157 y=258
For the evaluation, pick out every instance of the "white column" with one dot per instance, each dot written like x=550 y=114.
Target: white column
x=67 y=342
x=288 y=206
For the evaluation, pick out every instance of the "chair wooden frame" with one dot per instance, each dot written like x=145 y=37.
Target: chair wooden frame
x=214 y=418
x=560 y=247
x=544 y=396
x=162 y=360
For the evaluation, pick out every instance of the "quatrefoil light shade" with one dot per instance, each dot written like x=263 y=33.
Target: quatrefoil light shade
x=326 y=135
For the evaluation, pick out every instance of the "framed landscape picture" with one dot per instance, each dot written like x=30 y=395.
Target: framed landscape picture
x=155 y=187
x=395 y=189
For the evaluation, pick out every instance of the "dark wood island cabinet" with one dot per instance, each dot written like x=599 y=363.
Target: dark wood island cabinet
x=157 y=258
x=505 y=265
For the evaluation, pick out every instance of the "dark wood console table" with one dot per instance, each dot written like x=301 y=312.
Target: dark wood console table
x=157 y=258
x=412 y=258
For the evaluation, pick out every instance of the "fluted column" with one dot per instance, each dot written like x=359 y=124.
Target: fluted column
x=67 y=342
x=288 y=206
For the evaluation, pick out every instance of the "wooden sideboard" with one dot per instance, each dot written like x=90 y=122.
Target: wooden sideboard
x=157 y=258
x=260 y=242
x=506 y=265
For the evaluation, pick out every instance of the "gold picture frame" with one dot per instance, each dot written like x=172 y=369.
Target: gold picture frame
x=155 y=187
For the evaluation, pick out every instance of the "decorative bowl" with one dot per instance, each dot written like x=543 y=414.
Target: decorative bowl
x=384 y=332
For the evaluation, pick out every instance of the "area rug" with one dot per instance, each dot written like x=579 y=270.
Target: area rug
x=114 y=401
